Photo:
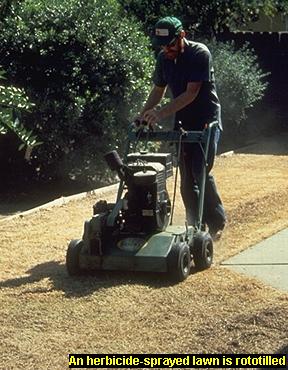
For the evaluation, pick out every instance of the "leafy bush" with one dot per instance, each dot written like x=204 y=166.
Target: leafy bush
x=240 y=83
x=87 y=68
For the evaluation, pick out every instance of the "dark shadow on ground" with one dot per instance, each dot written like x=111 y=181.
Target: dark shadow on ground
x=269 y=145
x=16 y=201
x=86 y=284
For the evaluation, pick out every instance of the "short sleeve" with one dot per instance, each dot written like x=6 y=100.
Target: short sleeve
x=201 y=63
x=158 y=75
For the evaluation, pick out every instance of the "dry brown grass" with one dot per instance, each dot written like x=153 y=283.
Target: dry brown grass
x=45 y=314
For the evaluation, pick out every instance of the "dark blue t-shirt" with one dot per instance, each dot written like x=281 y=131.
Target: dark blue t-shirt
x=193 y=65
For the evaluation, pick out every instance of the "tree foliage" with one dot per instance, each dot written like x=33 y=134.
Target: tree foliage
x=87 y=68
x=12 y=102
x=206 y=16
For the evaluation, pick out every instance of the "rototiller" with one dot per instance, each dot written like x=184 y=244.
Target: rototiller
x=133 y=234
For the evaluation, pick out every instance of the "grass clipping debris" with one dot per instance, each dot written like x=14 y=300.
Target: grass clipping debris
x=45 y=314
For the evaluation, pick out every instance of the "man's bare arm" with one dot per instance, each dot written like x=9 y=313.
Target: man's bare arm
x=154 y=98
x=182 y=100
x=152 y=116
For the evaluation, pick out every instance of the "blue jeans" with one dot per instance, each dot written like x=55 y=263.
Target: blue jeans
x=191 y=165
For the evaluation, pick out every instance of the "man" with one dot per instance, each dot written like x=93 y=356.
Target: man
x=186 y=68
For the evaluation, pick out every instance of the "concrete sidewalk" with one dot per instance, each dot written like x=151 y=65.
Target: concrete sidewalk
x=267 y=261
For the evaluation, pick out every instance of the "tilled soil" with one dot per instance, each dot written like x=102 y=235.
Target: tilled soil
x=45 y=314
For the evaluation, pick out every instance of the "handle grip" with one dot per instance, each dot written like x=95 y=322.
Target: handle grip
x=142 y=125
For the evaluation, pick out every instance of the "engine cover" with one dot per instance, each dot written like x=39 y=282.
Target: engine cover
x=148 y=205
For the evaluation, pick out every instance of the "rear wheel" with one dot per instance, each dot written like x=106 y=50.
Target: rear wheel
x=72 y=257
x=179 y=262
x=202 y=250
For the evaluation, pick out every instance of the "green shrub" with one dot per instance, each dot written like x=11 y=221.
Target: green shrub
x=240 y=81
x=241 y=84
x=87 y=68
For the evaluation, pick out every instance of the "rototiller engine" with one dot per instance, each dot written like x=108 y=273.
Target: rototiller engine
x=145 y=207
x=133 y=233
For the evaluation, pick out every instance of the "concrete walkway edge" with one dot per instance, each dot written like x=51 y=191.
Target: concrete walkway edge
x=64 y=200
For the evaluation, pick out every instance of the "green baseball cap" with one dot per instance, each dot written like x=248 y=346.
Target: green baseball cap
x=165 y=30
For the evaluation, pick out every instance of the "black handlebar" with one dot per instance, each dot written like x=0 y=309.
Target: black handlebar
x=171 y=136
